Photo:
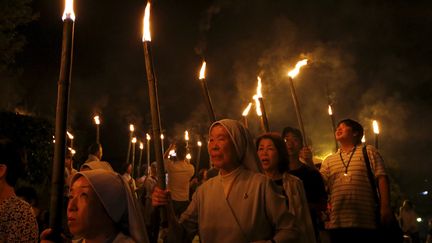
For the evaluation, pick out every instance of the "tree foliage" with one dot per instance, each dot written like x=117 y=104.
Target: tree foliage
x=35 y=136
x=14 y=14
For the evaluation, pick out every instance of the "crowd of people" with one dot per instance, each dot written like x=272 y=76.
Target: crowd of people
x=264 y=189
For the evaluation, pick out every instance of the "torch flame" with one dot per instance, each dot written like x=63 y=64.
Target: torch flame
x=259 y=86
x=131 y=127
x=141 y=146
x=199 y=143
x=186 y=136
x=330 y=112
x=146 y=24
x=148 y=136
x=257 y=105
x=96 y=120
x=134 y=140
x=188 y=156
x=69 y=135
x=296 y=70
x=68 y=11
x=202 y=71
x=363 y=140
x=162 y=136
x=246 y=111
x=375 y=127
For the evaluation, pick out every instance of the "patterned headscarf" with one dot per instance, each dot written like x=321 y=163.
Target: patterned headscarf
x=243 y=143
x=117 y=199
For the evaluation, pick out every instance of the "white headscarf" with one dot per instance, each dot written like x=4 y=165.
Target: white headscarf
x=118 y=201
x=243 y=143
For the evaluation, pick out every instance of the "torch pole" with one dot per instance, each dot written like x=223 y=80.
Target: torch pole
x=57 y=183
x=297 y=109
x=138 y=170
x=129 y=148
x=264 y=119
x=376 y=140
x=206 y=96
x=334 y=131
x=245 y=122
x=148 y=152
x=154 y=108
x=97 y=133
x=133 y=158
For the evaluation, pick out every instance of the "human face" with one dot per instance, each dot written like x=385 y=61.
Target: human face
x=221 y=150
x=86 y=215
x=345 y=134
x=268 y=155
x=293 y=144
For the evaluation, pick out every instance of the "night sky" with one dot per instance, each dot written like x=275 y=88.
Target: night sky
x=371 y=59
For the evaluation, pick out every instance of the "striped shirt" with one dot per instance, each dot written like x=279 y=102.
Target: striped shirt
x=351 y=200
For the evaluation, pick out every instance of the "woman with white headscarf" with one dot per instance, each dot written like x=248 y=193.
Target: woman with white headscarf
x=238 y=205
x=101 y=208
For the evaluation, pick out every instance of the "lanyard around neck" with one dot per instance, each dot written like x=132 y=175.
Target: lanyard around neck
x=349 y=160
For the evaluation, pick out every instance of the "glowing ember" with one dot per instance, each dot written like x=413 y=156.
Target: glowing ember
x=68 y=11
x=131 y=127
x=148 y=136
x=202 y=71
x=246 y=111
x=330 y=112
x=146 y=24
x=96 y=120
x=375 y=127
x=296 y=70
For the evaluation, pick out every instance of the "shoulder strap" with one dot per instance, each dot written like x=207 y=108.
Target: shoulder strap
x=372 y=182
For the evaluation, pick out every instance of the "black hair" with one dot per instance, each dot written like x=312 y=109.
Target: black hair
x=12 y=157
x=180 y=149
x=94 y=148
x=295 y=132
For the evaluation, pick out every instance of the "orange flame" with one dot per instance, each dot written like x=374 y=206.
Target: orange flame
x=199 y=143
x=330 y=112
x=131 y=127
x=375 y=127
x=141 y=146
x=257 y=105
x=148 y=136
x=134 y=140
x=70 y=135
x=202 y=71
x=296 y=70
x=146 y=24
x=259 y=86
x=246 y=111
x=68 y=11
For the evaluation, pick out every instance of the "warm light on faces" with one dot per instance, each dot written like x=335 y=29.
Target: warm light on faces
x=86 y=215
x=344 y=132
x=268 y=154
x=221 y=149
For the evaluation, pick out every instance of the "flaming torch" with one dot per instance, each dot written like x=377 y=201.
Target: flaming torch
x=330 y=112
x=245 y=113
x=376 y=132
x=206 y=94
x=198 y=158
x=163 y=145
x=134 y=141
x=153 y=97
x=260 y=107
x=141 y=147
x=97 y=122
x=148 y=138
x=131 y=129
x=71 y=138
x=63 y=90
x=291 y=75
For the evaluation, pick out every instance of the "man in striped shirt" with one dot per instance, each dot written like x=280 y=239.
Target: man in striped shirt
x=352 y=205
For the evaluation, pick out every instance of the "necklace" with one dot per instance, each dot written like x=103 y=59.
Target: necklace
x=349 y=160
